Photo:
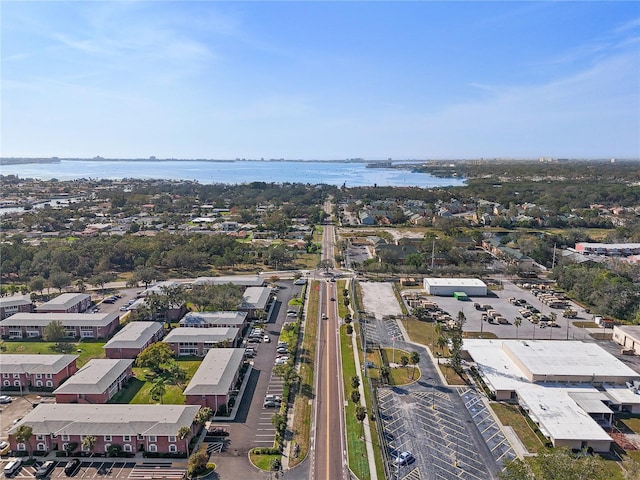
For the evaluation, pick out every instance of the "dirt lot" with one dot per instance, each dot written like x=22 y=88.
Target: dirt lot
x=379 y=299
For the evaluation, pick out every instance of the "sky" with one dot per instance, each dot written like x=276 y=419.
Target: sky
x=320 y=79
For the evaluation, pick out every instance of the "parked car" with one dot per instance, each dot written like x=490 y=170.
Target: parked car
x=45 y=469
x=270 y=404
x=71 y=467
x=281 y=360
x=404 y=458
x=291 y=314
x=282 y=350
x=217 y=432
x=266 y=339
x=4 y=448
x=332 y=299
x=12 y=467
x=5 y=399
x=254 y=340
x=272 y=398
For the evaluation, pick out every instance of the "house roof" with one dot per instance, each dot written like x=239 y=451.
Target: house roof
x=95 y=377
x=213 y=318
x=134 y=335
x=217 y=372
x=256 y=297
x=67 y=319
x=35 y=363
x=159 y=288
x=64 y=301
x=201 y=335
x=111 y=419
x=15 y=300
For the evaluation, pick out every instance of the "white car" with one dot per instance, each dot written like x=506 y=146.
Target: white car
x=266 y=339
x=282 y=360
x=5 y=399
x=404 y=458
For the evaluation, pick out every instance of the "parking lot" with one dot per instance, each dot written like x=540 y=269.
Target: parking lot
x=111 y=469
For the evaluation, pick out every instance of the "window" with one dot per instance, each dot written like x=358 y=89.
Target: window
x=152 y=438
x=38 y=375
x=107 y=438
x=172 y=438
x=16 y=383
x=126 y=438
x=38 y=383
x=48 y=375
x=153 y=448
x=5 y=375
x=22 y=447
x=39 y=437
x=106 y=447
x=41 y=447
x=16 y=375
x=173 y=448
x=49 y=383
x=7 y=383
x=65 y=438
x=127 y=447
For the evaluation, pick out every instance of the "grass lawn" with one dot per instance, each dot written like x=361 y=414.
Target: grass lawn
x=263 y=462
x=451 y=376
x=632 y=423
x=510 y=415
x=356 y=447
x=302 y=404
x=585 y=324
x=85 y=349
x=342 y=308
x=139 y=389
x=479 y=335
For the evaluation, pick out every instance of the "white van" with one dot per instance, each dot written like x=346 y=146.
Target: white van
x=12 y=467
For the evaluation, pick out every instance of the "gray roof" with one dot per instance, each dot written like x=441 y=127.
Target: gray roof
x=159 y=287
x=64 y=301
x=67 y=319
x=134 y=335
x=15 y=300
x=256 y=297
x=34 y=363
x=216 y=373
x=213 y=318
x=243 y=280
x=199 y=335
x=111 y=419
x=95 y=376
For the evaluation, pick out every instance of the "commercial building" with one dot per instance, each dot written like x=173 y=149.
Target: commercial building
x=628 y=336
x=76 y=325
x=96 y=382
x=216 y=378
x=136 y=428
x=66 y=303
x=198 y=342
x=21 y=372
x=446 y=287
x=133 y=338
x=241 y=280
x=570 y=389
x=609 y=249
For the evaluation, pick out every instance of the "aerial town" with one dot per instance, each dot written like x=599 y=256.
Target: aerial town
x=168 y=329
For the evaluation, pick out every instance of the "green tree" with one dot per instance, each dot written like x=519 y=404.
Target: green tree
x=37 y=284
x=204 y=414
x=197 y=462
x=361 y=414
x=385 y=371
x=158 y=388
x=441 y=343
x=54 y=331
x=517 y=322
x=184 y=433
x=59 y=280
x=155 y=357
x=355 y=396
x=414 y=359
x=355 y=381
x=23 y=435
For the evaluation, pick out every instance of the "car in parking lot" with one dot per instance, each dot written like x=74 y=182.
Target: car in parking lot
x=4 y=448
x=291 y=314
x=254 y=340
x=12 y=467
x=45 y=469
x=404 y=458
x=217 y=432
x=71 y=467
x=333 y=299
x=5 y=399
x=281 y=360
x=266 y=339
x=270 y=404
x=282 y=349
x=272 y=398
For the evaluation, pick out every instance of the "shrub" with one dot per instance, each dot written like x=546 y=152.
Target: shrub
x=349 y=329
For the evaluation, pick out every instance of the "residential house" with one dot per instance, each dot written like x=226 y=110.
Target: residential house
x=96 y=382
x=21 y=372
x=77 y=325
x=136 y=428
x=15 y=304
x=133 y=338
x=66 y=303
x=255 y=301
x=198 y=341
x=215 y=319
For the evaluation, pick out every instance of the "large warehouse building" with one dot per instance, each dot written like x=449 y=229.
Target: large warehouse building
x=570 y=389
x=446 y=287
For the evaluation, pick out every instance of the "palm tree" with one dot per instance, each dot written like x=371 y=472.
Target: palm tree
x=517 y=322
x=158 y=388
x=361 y=414
x=89 y=442
x=23 y=435
x=183 y=434
x=414 y=359
x=441 y=343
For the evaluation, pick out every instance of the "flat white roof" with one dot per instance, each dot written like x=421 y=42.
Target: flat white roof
x=495 y=366
x=568 y=358
x=559 y=415
x=213 y=318
x=256 y=297
x=34 y=363
x=65 y=300
x=243 y=280
x=67 y=319
x=449 y=282
x=622 y=395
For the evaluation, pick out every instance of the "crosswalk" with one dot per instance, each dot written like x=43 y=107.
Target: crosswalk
x=157 y=472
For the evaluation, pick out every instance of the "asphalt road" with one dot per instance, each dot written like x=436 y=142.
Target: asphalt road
x=328 y=453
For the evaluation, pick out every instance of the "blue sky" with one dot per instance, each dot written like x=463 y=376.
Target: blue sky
x=320 y=80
